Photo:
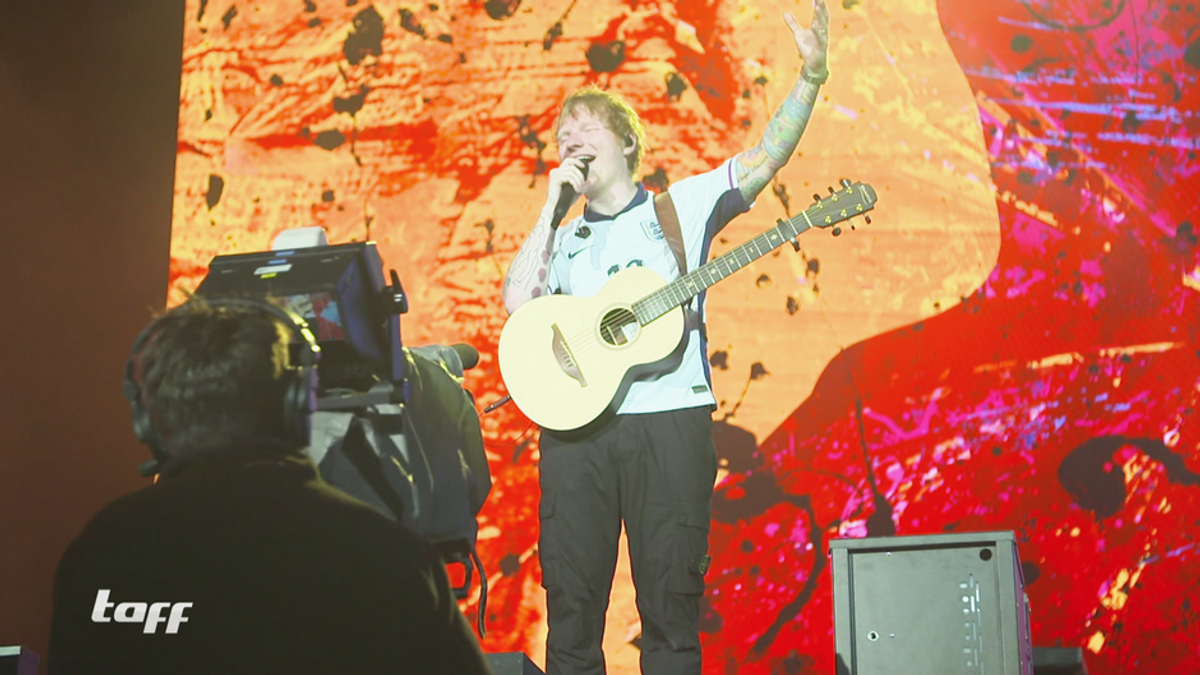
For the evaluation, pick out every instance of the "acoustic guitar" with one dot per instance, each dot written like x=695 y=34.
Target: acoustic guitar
x=565 y=358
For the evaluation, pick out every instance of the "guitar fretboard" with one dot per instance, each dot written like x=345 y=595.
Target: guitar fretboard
x=691 y=284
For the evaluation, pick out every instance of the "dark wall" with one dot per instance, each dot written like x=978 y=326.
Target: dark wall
x=88 y=106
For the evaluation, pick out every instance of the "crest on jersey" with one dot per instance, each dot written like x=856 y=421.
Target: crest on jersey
x=653 y=230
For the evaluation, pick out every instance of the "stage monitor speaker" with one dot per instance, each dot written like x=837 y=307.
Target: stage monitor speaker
x=952 y=604
x=1058 y=661
x=512 y=663
x=17 y=660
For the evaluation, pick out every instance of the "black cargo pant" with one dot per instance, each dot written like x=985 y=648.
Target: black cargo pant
x=655 y=471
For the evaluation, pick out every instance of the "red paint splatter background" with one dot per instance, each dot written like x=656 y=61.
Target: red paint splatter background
x=1012 y=345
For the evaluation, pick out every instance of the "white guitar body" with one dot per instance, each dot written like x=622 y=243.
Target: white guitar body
x=565 y=358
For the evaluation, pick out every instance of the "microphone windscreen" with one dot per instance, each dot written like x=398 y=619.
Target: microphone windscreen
x=467 y=354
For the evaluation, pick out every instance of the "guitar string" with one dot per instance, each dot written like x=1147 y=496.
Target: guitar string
x=667 y=296
x=587 y=345
x=586 y=342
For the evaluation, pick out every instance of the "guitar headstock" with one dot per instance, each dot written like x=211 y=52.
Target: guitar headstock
x=852 y=200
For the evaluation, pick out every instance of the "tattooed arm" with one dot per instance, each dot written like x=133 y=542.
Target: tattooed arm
x=757 y=166
x=528 y=275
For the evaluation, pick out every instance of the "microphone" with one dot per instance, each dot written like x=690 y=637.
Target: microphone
x=467 y=354
x=567 y=196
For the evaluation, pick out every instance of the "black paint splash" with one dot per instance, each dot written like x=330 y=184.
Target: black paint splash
x=1106 y=14
x=880 y=523
x=657 y=180
x=529 y=137
x=366 y=38
x=606 y=57
x=676 y=86
x=551 y=35
x=501 y=9
x=790 y=611
x=1191 y=55
x=330 y=139
x=351 y=104
x=408 y=21
x=489 y=226
x=779 y=189
x=760 y=493
x=719 y=359
x=737 y=448
x=556 y=30
x=216 y=185
x=1095 y=480
x=1184 y=240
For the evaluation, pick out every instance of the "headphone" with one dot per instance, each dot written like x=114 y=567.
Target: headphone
x=299 y=380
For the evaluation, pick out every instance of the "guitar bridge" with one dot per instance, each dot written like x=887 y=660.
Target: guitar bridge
x=562 y=353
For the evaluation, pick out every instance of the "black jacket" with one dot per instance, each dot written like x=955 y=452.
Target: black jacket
x=285 y=575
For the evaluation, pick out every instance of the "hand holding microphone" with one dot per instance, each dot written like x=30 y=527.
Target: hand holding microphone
x=569 y=177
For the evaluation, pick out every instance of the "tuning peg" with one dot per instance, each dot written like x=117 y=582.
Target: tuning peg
x=868 y=219
x=845 y=183
x=816 y=197
x=831 y=191
x=837 y=231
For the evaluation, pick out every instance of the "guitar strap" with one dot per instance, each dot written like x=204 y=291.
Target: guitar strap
x=668 y=219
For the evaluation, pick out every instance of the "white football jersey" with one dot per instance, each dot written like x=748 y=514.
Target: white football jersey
x=591 y=248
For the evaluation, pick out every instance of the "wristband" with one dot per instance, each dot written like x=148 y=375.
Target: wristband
x=813 y=78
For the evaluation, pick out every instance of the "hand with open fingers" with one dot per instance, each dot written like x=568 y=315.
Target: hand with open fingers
x=812 y=42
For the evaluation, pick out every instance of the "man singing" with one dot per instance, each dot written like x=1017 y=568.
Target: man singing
x=652 y=464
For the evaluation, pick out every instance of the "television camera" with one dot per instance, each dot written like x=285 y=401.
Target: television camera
x=393 y=425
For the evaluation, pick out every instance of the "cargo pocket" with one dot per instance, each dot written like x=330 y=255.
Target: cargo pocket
x=547 y=553
x=691 y=562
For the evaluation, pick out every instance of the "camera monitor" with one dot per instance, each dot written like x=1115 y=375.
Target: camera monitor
x=337 y=289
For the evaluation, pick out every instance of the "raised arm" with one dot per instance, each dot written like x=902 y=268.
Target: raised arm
x=758 y=165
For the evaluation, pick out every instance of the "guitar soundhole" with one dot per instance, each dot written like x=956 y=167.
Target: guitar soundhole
x=619 y=327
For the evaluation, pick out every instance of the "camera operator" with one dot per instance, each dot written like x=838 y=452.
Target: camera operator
x=240 y=559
